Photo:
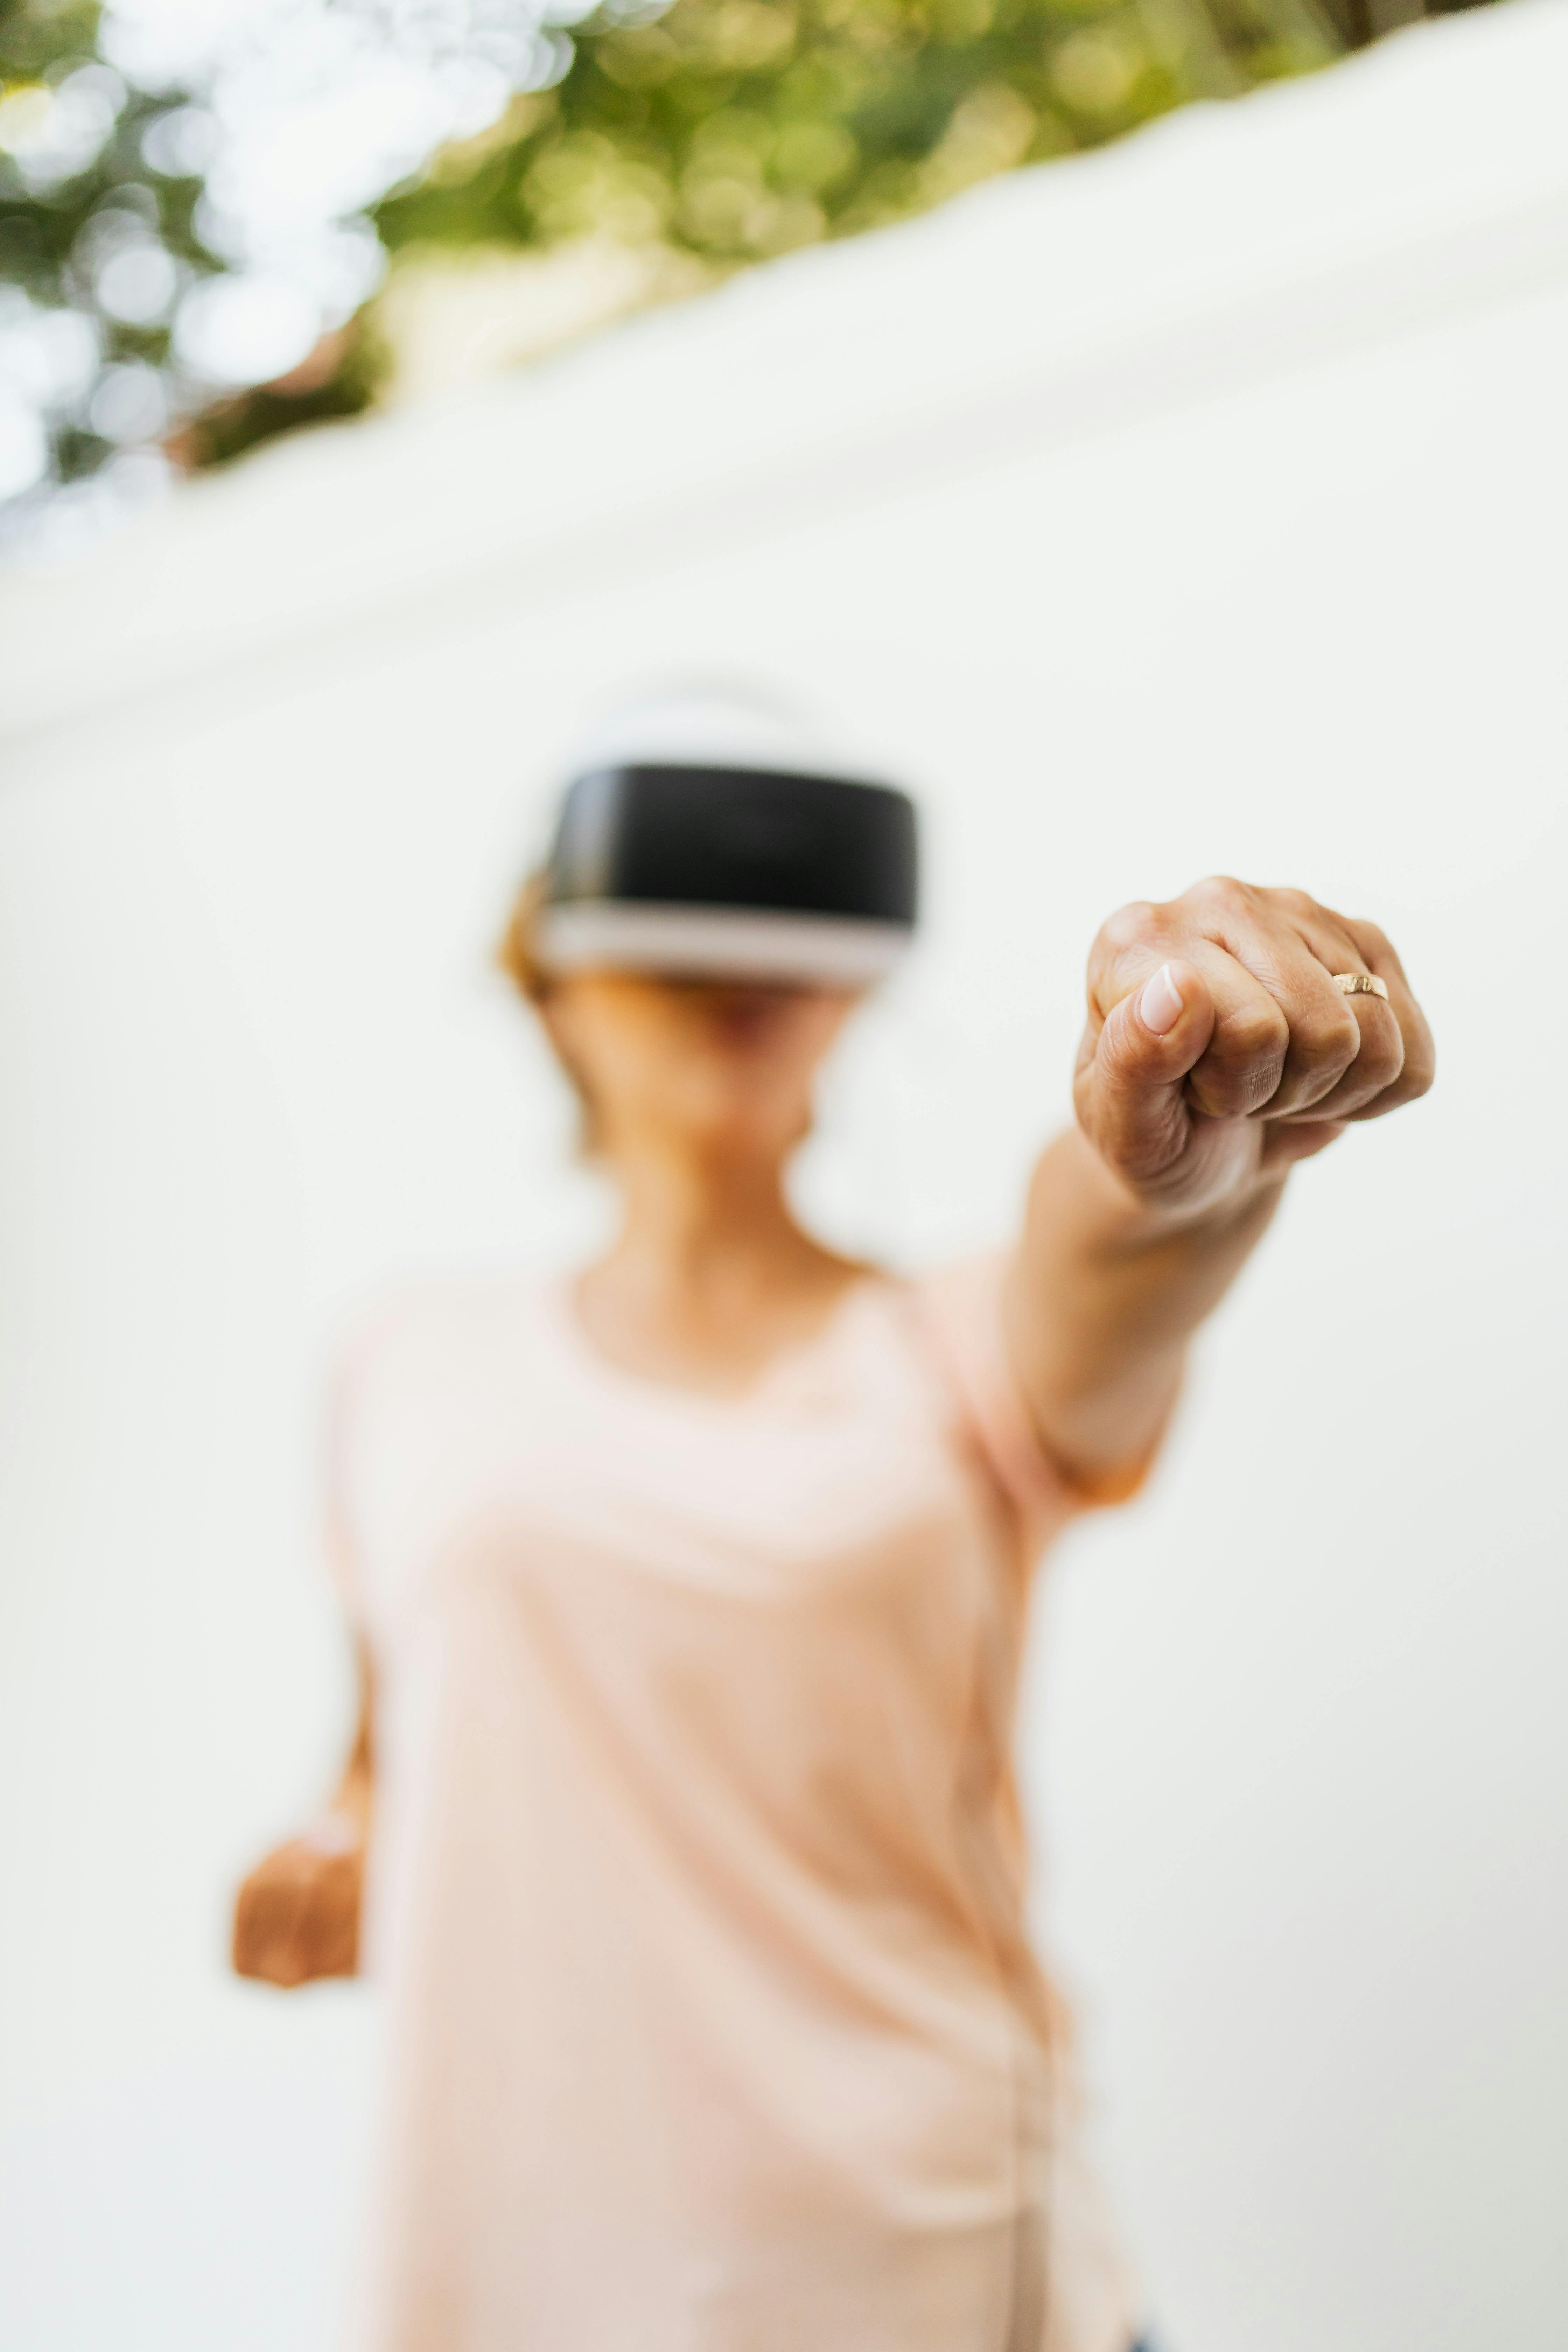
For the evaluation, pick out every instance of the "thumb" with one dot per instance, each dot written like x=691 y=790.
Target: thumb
x=1130 y=1092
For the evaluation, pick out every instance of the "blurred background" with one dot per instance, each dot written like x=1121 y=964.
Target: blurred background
x=220 y=219
x=1193 y=504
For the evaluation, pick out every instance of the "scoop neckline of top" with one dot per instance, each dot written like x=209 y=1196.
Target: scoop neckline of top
x=561 y=1297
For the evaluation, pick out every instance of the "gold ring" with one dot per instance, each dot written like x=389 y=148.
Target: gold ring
x=1360 y=983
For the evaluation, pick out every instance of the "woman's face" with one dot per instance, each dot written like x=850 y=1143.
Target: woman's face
x=723 y=1065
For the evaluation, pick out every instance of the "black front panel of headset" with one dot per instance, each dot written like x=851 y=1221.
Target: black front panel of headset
x=739 y=837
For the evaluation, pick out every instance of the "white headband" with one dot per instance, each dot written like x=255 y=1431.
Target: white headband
x=829 y=951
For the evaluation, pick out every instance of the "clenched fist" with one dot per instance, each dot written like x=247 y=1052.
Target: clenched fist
x=297 y=1916
x=1218 y=1049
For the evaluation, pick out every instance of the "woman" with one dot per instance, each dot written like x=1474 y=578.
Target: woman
x=689 y=1597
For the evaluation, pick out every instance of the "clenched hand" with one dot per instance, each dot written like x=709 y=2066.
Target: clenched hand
x=1218 y=1049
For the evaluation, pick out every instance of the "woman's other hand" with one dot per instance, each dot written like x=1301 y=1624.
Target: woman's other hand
x=1218 y=1049
x=297 y=1916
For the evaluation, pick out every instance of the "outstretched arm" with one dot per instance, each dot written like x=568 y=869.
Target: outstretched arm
x=1218 y=1052
x=297 y=1915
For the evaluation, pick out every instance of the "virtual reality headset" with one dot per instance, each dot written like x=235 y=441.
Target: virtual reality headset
x=731 y=872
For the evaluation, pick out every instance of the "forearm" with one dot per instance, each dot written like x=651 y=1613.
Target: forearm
x=1105 y=1294
x=356 y=1791
x=297 y=1914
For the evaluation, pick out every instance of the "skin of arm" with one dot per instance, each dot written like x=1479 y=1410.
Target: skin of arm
x=297 y=1915
x=1217 y=1052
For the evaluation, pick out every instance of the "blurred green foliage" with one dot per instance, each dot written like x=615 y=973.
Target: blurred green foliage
x=741 y=129
x=51 y=238
x=727 y=129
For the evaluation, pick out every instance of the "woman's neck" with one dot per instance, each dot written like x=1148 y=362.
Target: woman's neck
x=695 y=1222
x=711 y=1275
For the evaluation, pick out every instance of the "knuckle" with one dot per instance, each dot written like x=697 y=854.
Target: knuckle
x=1367 y=1080
x=1222 y=893
x=1326 y=1040
x=1381 y=1056
x=1130 y=925
x=1415 y=1078
x=1254 y=1034
x=1229 y=1094
x=1242 y=1067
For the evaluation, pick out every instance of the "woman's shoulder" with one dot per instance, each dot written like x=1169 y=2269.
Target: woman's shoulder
x=436 y=1319
x=959 y=1308
x=950 y=1291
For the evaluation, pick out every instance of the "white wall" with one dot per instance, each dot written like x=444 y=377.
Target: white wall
x=1295 y=1737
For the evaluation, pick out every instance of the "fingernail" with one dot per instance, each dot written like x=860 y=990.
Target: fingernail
x=1159 y=1006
